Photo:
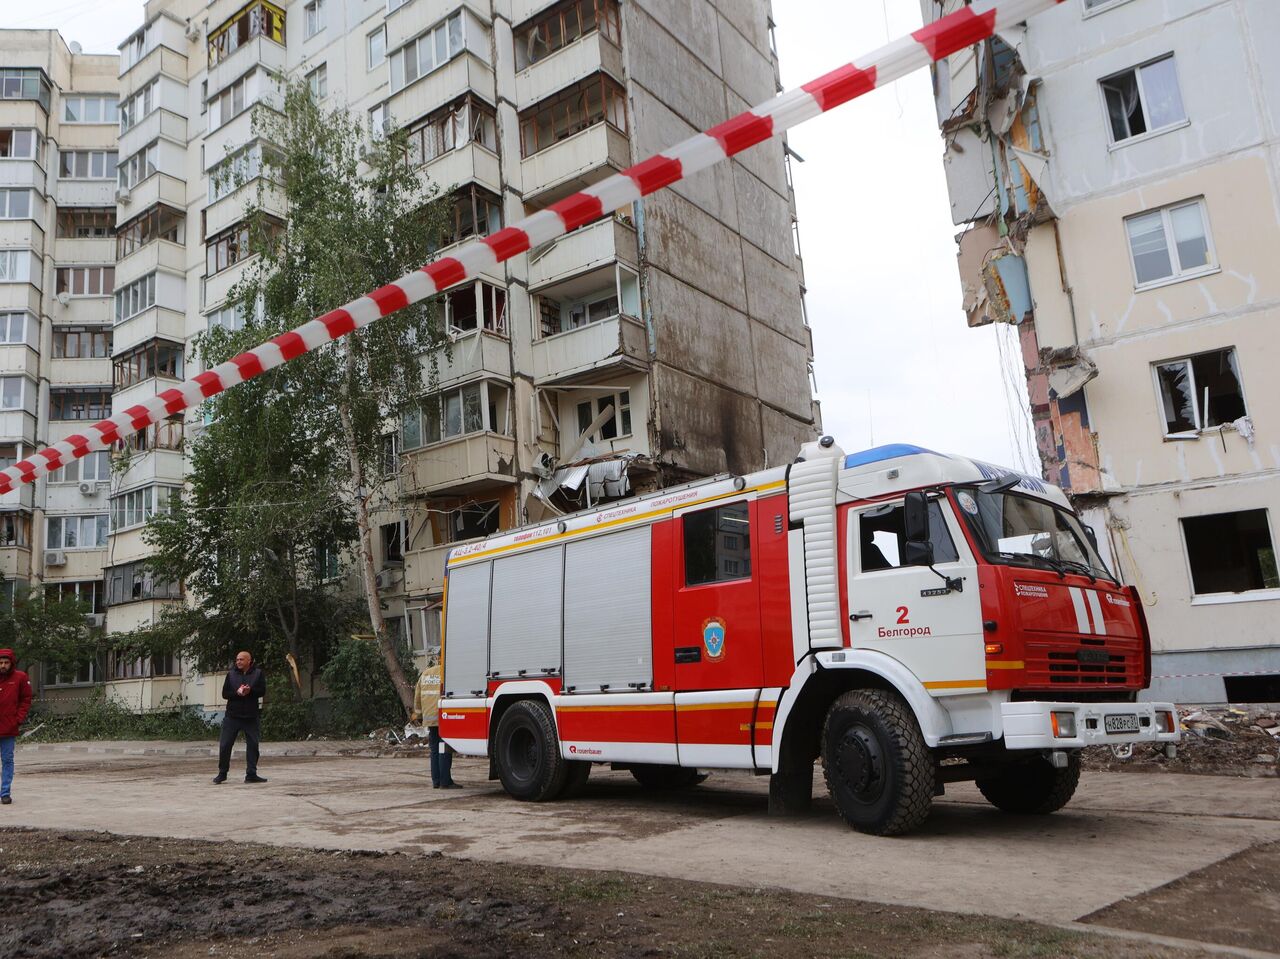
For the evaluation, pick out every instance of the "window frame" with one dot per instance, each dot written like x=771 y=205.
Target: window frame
x=723 y=577
x=94 y=401
x=398 y=78
x=318 y=81
x=1102 y=7
x=6 y=193
x=96 y=337
x=314 y=19
x=102 y=98
x=65 y=280
x=370 y=62
x=99 y=522
x=1222 y=598
x=1178 y=276
x=1200 y=428
x=1136 y=70
x=567 y=98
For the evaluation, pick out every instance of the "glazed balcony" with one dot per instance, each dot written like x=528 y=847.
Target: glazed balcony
x=158 y=123
x=258 y=51
x=158 y=254
x=22 y=173
x=157 y=188
x=577 y=161
x=464 y=73
x=469 y=163
x=156 y=321
x=578 y=60
x=474 y=354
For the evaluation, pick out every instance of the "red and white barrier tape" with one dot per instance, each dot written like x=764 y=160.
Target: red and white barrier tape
x=960 y=29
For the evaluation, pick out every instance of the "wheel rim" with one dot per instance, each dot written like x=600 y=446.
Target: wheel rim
x=522 y=754
x=861 y=764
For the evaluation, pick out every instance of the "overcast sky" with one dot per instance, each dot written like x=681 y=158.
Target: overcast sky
x=895 y=360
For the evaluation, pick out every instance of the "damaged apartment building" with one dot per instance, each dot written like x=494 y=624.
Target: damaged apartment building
x=1115 y=165
x=664 y=342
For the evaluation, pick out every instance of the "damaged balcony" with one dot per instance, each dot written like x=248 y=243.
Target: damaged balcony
x=458 y=440
x=590 y=329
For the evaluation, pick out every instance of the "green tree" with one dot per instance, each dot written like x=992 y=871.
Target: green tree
x=48 y=631
x=283 y=475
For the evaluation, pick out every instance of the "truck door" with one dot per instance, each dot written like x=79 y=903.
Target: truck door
x=906 y=611
x=716 y=639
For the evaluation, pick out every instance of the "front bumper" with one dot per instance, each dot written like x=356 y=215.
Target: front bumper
x=1031 y=725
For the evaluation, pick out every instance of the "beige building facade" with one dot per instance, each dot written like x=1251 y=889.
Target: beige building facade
x=1116 y=164
x=665 y=342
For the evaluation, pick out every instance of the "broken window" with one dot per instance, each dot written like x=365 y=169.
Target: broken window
x=473 y=521
x=597 y=99
x=393 y=542
x=469 y=307
x=707 y=556
x=1200 y=392
x=1230 y=552
x=619 y=421
x=1169 y=243
x=1143 y=100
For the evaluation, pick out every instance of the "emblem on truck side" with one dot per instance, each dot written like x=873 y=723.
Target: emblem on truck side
x=713 y=631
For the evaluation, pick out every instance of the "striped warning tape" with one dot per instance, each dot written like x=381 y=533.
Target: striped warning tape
x=945 y=36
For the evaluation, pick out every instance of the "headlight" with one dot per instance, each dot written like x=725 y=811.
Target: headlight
x=1064 y=725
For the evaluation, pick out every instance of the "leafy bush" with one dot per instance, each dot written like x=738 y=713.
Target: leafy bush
x=100 y=717
x=286 y=721
x=361 y=694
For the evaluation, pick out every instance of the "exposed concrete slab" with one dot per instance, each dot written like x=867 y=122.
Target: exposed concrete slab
x=1124 y=834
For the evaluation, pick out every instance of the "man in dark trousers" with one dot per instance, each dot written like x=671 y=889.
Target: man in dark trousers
x=242 y=689
x=15 y=702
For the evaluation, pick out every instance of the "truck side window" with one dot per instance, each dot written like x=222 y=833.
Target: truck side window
x=717 y=545
x=881 y=533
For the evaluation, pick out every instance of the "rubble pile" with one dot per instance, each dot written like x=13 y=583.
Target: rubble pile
x=1216 y=741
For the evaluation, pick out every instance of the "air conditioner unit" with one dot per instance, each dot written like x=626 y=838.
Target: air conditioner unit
x=88 y=489
x=544 y=464
x=383 y=579
x=123 y=196
x=94 y=620
x=64 y=297
x=55 y=557
x=193 y=31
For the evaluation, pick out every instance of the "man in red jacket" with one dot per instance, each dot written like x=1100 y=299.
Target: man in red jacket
x=15 y=703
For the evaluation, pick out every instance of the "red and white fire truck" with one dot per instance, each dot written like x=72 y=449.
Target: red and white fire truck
x=910 y=618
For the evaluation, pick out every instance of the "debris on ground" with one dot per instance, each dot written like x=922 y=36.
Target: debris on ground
x=1216 y=741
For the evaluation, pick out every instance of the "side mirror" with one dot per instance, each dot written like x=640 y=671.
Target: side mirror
x=1092 y=533
x=917 y=550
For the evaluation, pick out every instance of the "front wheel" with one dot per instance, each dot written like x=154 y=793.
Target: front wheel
x=1032 y=787
x=878 y=768
x=528 y=753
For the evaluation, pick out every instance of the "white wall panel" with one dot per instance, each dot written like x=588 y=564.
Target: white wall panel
x=608 y=637
x=527 y=593
x=467 y=631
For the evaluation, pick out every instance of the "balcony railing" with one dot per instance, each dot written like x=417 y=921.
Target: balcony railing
x=581 y=58
x=587 y=248
x=592 y=352
x=575 y=162
x=424 y=569
x=461 y=464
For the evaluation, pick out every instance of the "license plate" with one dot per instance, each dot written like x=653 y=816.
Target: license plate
x=1121 y=723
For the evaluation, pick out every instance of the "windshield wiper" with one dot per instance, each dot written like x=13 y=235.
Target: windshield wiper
x=1074 y=565
x=1035 y=558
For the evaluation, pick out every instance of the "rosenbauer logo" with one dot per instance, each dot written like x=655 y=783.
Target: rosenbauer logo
x=1117 y=600
x=584 y=751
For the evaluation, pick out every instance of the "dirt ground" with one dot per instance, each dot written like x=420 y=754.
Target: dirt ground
x=71 y=894
x=1236 y=901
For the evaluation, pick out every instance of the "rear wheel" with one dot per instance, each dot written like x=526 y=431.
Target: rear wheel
x=667 y=777
x=1033 y=787
x=528 y=753
x=878 y=768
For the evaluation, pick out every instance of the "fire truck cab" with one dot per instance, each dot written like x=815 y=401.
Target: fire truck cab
x=906 y=617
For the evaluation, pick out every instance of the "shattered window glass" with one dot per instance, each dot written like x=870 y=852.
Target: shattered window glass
x=1176 y=392
x=1201 y=392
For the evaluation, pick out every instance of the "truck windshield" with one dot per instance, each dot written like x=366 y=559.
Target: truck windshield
x=1022 y=530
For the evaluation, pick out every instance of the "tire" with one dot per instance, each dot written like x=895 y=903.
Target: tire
x=527 y=753
x=667 y=777
x=576 y=779
x=1034 y=787
x=879 y=772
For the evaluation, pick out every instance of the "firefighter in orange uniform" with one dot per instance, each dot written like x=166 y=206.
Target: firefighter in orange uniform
x=426 y=706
